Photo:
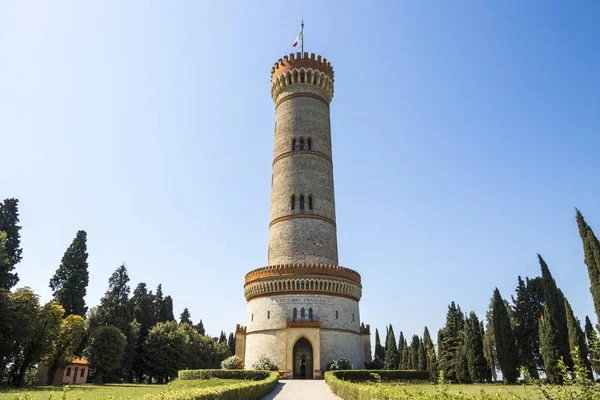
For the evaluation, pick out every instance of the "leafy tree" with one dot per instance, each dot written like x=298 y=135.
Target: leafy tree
x=392 y=357
x=555 y=301
x=165 y=350
x=34 y=329
x=231 y=343
x=115 y=308
x=130 y=353
x=69 y=283
x=505 y=342
x=62 y=347
x=105 y=350
x=528 y=307
x=550 y=351
x=379 y=350
x=577 y=341
x=10 y=243
x=591 y=251
x=476 y=362
x=592 y=340
x=185 y=317
x=430 y=353
x=450 y=341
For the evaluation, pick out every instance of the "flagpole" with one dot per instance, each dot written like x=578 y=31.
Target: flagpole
x=302 y=45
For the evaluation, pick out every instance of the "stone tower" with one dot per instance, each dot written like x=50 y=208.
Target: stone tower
x=303 y=307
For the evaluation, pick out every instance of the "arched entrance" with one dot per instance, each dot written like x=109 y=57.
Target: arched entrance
x=303 y=360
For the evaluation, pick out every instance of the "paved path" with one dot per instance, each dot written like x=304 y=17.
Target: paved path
x=314 y=389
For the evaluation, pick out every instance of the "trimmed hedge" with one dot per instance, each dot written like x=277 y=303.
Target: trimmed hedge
x=380 y=375
x=253 y=389
x=194 y=374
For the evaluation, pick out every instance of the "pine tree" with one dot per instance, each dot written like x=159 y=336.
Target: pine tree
x=430 y=353
x=549 y=349
x=474 y=349
x=9 y=218
x=528 y=306
x=69 y=283
x=142 y=303
x=185 y=316
x=577 y=341
x=593 y=344
x=505 y=342
x=554 y=299
x=115 y=308
x=450 y=341
x=591 y=251
x=392 y=357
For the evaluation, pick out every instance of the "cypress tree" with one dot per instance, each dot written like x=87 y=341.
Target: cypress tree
x=528 y=307
x=70 y=281
x=474 y=349
x=231 y=343
x=487 y=373
x=577 y=339
x=550 y=352
x=554 y=299
x=379 y=350
x=11 y=246
x=199 y=327
x=593 y=344
x=391 y=351
x=505 y=342
x=414 y=352
x=430 y=353
x=422 y=357
x=222 y=337
x=489 y=343
x=461 y=362
x=185 y=317
x=401 y=353
x=115 y=308
x=450 y=341
x=591 y=252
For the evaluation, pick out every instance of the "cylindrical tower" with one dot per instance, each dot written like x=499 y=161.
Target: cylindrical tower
x=302 y=307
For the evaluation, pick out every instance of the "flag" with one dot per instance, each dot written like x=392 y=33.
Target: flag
x=298 y=38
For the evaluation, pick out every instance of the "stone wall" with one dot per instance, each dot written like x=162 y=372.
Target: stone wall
x=341 y=344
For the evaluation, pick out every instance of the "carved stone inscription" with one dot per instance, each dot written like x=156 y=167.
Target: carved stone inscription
x=302 y=300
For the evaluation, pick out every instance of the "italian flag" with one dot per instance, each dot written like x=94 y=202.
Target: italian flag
x=298 y=38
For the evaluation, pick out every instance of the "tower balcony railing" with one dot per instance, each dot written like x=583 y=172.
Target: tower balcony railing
x=303 y=322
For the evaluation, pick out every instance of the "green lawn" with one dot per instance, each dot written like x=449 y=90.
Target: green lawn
x=474 y=389
x=116 y=391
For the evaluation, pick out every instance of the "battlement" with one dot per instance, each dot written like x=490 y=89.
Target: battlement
x=302 y=69
x=365 y=330
x=240 y=329
x=300 y=60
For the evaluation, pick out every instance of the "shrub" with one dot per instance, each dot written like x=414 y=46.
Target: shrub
x=249 y=375
x=253 y=389
x=264 y=363
x=232 y=362
x=339 y=365
x=383 y=375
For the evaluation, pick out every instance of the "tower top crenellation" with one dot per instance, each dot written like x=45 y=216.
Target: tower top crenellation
x=299 y=60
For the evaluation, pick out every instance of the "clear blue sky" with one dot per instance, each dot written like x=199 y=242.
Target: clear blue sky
x=464 y=135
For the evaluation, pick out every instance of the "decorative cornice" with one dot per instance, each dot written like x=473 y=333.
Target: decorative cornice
x=302 y=269
x=283 y=292
x=293 y=95
x=292 y=216
x=293 y=152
